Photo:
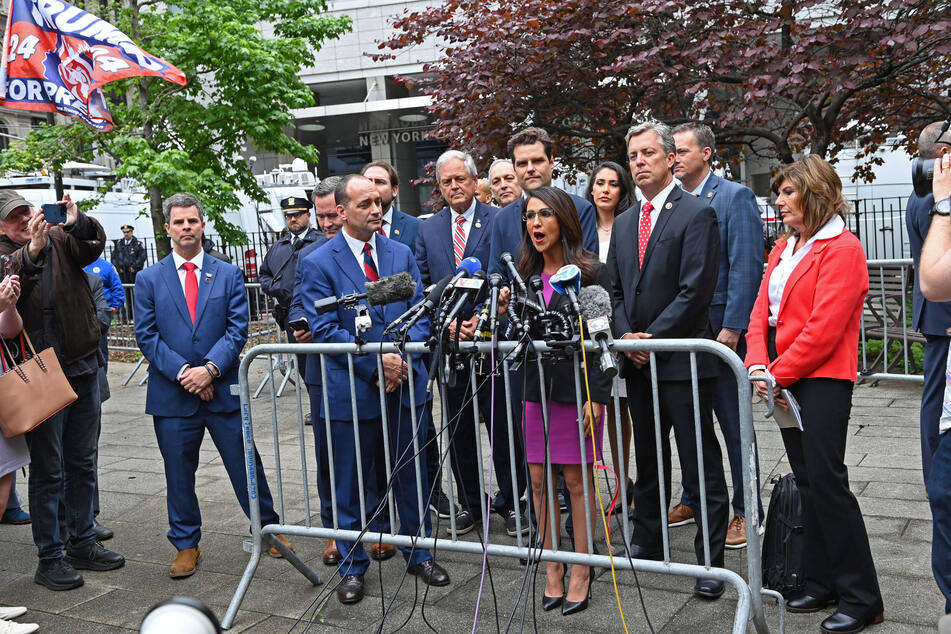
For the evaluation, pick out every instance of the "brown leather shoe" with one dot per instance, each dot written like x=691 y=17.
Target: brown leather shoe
x=185 y=563
x=736 y=533
x=382 y=551
x=274 y=552
x=331 y=554
x=680 y=515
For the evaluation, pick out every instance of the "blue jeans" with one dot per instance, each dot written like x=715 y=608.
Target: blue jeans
x=939 y=496
x=63 y=454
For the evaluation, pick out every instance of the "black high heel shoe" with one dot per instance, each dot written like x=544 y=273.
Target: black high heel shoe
x=570 y=607
x=550 y=603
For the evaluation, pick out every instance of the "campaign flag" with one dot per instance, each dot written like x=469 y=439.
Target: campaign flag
x=57 y=57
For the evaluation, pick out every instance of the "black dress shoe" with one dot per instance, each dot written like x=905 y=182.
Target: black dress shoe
x=57 y=574
x=102 y=532
x=840 y=623
x=550 y=603
x=93 y=556
x=708 y=588
x=431 y=573
x=808 y=603
x=350 y=589
x=641 y=552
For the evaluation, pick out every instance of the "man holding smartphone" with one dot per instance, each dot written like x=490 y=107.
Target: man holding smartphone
x=58 y=311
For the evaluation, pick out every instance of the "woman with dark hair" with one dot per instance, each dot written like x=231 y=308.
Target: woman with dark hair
x=552 y=238
x=611 y=191
x=803 y=337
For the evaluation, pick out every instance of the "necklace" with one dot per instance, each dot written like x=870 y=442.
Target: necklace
x=604 y=229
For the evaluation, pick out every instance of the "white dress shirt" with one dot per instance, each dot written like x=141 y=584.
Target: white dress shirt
x=657 y=202
x=356 y=247
x=198 y=261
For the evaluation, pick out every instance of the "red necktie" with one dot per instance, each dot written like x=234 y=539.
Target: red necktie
x=459 y=239
x=369 y=268
x=191 y=288
x=644 y=232
x=381 y=232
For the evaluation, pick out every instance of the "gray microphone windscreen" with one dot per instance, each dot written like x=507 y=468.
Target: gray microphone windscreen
x=393 y=288
x=595 y=302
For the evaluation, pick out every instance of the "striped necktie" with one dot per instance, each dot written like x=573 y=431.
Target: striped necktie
x=459 y=239
x=369 y=267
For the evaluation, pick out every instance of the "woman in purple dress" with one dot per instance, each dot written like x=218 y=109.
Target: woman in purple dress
x=552 y=238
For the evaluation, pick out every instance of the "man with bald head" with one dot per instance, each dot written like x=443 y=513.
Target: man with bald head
x=503 y=182
x=930 y=318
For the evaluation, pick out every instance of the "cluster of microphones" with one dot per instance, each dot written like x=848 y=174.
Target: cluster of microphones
x=527 y=314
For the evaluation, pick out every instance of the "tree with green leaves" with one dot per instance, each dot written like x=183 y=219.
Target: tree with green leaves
x=243 y=82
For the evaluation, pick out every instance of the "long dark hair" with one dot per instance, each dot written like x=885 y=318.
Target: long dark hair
x=530 y=261
x=627 y=198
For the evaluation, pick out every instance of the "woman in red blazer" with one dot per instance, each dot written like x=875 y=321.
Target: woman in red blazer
x=803 y=333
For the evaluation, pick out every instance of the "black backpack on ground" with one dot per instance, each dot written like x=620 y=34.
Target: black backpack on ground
x=784 y=539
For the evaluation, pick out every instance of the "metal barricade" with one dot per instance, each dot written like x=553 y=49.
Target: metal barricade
x=749 y=607
x=889 y=347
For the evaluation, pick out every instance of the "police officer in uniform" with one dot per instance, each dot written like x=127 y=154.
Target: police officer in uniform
x=128 y=255
x=280 y=263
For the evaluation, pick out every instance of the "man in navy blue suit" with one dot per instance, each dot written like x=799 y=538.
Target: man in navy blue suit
x=531 y=154
x=741 y=269
x=396 y=225
x=931 y=319
x=191 y=323
x=344 y=265
x=456 y=232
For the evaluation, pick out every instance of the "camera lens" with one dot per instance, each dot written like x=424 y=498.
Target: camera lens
x=922 y=172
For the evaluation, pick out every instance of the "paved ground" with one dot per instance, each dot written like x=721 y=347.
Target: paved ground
x=883 y=457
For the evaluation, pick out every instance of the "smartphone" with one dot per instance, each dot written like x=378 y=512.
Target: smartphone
x=54 y=213
x=6 y=266
x=299 y=324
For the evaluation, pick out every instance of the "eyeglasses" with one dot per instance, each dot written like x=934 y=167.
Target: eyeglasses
x=544 y=214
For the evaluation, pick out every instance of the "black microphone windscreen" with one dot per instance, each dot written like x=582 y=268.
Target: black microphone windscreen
x=438 y=288
x=595 y=302
x=393 y=288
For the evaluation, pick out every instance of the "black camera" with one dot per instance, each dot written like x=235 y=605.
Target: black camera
x=922 y=170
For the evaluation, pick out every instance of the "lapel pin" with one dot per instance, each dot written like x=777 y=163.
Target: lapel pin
x=396 y=231
x=669 y=206
x=709 y=194
x=478 y=224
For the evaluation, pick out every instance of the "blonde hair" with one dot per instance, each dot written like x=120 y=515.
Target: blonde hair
x=820 y=190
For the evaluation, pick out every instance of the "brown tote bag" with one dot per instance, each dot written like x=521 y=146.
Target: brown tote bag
x=31 y=391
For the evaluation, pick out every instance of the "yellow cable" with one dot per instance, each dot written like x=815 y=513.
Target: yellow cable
x=597 y=487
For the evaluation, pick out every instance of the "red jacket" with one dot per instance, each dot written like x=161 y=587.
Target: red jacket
x=817 y=330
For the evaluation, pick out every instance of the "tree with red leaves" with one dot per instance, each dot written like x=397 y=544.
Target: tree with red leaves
x=772 y=79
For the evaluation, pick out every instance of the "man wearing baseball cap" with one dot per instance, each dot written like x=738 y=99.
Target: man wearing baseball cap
x=58 y=311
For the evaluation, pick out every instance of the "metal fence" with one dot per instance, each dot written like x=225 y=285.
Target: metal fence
x=889 y=347
x=749 y=604
x=879 y=224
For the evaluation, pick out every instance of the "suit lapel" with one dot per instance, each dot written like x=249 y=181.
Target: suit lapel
x=480 y=220
x=348 y=263
x=174 y=284
x=447 y=228
x=206 y=282
x=801 y=269
x=384 y=259
x=662 y=219
x=709 y=190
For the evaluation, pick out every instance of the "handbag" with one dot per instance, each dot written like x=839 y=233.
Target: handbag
x=31 y=391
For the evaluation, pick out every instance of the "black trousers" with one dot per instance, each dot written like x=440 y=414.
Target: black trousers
x=464 y=436
x=837 y=558
x=676 y=412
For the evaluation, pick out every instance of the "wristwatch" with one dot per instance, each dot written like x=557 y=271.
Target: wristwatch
x=942 y=207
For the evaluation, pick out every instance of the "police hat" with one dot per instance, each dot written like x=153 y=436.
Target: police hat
x=127 y=228
x=295 y=205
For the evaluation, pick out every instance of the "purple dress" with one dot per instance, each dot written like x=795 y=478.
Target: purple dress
x=563 y=425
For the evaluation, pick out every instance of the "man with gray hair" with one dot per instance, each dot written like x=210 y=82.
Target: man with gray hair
x=191 y=323
x=663 y=287
x=458 y=231
x=503 y=182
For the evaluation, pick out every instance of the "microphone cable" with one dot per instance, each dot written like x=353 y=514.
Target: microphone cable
x=604 y=521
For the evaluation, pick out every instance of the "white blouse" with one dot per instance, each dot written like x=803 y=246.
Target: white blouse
x=788 y=261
